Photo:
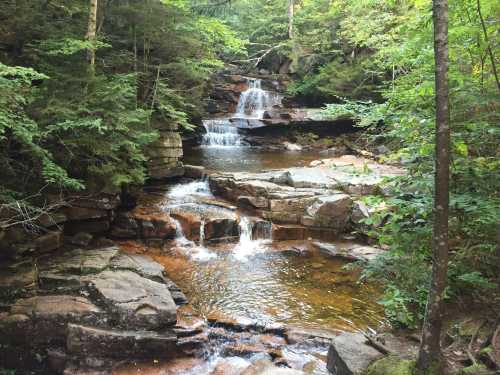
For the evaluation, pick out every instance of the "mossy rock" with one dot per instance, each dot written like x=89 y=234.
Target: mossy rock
x=391 y=366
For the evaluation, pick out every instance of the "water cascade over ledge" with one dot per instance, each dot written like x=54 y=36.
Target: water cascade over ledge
x=252 y=105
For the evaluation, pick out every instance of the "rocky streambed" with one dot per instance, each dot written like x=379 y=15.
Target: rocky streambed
x=236 y=268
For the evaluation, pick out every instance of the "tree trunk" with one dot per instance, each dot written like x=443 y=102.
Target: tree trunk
x=429 y=358
x=92 y=33
x=291 y=11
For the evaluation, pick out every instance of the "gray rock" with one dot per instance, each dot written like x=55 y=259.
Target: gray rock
x=49 y=242
x=81 y=239
x=141 y=264
x=133 y=301
x=85 y=341
x=330 y=211
x=265 y=367
x=49 y=315
x=349 y=355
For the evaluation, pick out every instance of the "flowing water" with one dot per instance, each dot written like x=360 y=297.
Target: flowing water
x=256 y=278
x=252 y=104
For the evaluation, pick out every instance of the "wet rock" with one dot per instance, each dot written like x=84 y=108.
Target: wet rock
x=81 y=239
x=350 y=355
x=194 y=171
x=134 y=302
x=267 y=368
x=83 y=341
x=292 y=146
x=160 y=228
x=230 y=366
x=125 y=227
x=243 y=350
x=221 y=228
x=332 y=212
x=164 y=155
x=288 y=232
x=49 y=242
x=190 y=222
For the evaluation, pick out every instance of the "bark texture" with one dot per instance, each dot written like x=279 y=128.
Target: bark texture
x=92 y=32
x=291 y=11
x=429 y=358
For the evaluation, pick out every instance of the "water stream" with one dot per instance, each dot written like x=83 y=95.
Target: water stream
x=254 y=277
x=252 y=104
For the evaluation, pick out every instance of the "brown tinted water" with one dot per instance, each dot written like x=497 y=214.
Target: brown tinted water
x=276 y=286
x=247 y=159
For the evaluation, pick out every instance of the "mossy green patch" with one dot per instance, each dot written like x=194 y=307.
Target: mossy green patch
x=391 y=365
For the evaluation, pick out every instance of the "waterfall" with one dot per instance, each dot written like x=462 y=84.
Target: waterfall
x=255 y=101
x=251 y=241
x=252 y=105
x=220 y=132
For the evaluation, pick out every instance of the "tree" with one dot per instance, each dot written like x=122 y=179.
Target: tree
x=291 y=10
x=92 y=32
x=429 y=357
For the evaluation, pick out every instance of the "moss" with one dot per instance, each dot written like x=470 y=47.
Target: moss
x=391 y=366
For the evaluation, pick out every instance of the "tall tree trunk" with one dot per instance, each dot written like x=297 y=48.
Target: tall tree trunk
x=92 y=33
x=429 y=358
x=487 y=41
x=291 y=11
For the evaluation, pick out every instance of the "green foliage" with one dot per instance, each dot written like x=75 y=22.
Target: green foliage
x=87 y=127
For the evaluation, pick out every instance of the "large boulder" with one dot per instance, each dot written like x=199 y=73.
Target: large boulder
x=350 y=355
x=331 y=211
x=133 y=301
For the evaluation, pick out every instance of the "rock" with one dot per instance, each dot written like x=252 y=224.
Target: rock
x=17 y=280
x=349 y=355
x=163 y=228
x=76 y=213
x=330 y=211
x=50 y=315
x=190 y=222
x=265 y=367
x=391 y=365
x=221 y=228
x=81 y=239
x=194 y=171
x=83 y=341
x=381 y=150
x=288 y=232
x=292 y=146
x=133 y=301
x=141 y=264
x=255 y=202
x=351 y=253
x=49 y=242
x=97 y=226
x=125 y=227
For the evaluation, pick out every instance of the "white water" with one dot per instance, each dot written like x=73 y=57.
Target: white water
x=248 y=246
x=255 y=101
x=220 y=132
x=252 y=105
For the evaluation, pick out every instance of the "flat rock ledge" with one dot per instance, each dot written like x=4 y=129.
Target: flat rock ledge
x=88 y=308
x=327 y=195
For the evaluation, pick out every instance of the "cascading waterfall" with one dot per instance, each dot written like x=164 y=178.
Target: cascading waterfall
x=252 y=105
x=220 y=132
x=248 y=244
x=255 y=101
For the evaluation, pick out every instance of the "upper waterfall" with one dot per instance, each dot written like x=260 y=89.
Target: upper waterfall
x=252 y=104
